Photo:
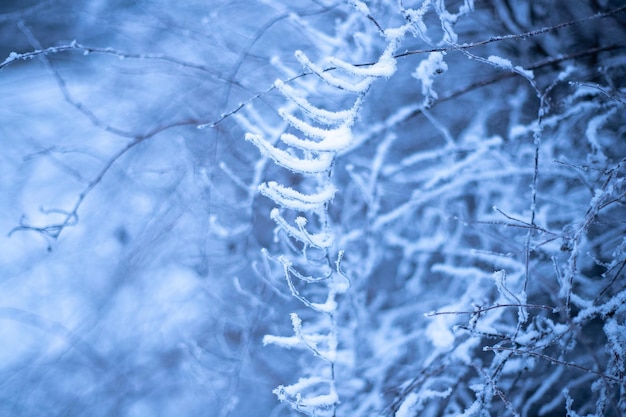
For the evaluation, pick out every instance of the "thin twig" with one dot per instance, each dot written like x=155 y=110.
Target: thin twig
x=552 y=360
x=86 y=50
x=482 y=310
x=71 y=217
x=599 y=88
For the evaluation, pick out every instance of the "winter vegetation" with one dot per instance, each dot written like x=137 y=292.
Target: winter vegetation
x=325 y=207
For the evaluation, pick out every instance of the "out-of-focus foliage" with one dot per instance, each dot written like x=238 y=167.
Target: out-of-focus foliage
x=477 y=213
x=126 y=283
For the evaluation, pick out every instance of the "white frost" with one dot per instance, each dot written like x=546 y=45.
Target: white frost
x=291 y=162
x=426 y=71
x=295 y=200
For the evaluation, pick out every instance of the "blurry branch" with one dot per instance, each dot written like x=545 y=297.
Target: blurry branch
x=245 y=103
x=86 y=50
x=43 y=54
x=446 y=97
x=55 y=329
x=536 y=65
x=430 y=371
x=552 y=360
x=617 y=274
x=242 y=57
x=518 y=223
x=50 y=153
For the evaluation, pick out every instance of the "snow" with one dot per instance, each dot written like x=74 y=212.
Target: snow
x=500 y=62
x=616 y=335
x=161 y=271
x=351 y=85
x=506 y=64
x=427 y=70
x=439 y=333
x=407 y=404
x=324 y=400
x=318 y=114
x=384 y=67
x=361 y=6
x=320 y=240
x=295 y=200
x=330 y=139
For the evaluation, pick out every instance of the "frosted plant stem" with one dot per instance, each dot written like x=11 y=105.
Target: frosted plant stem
x=312 y=155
